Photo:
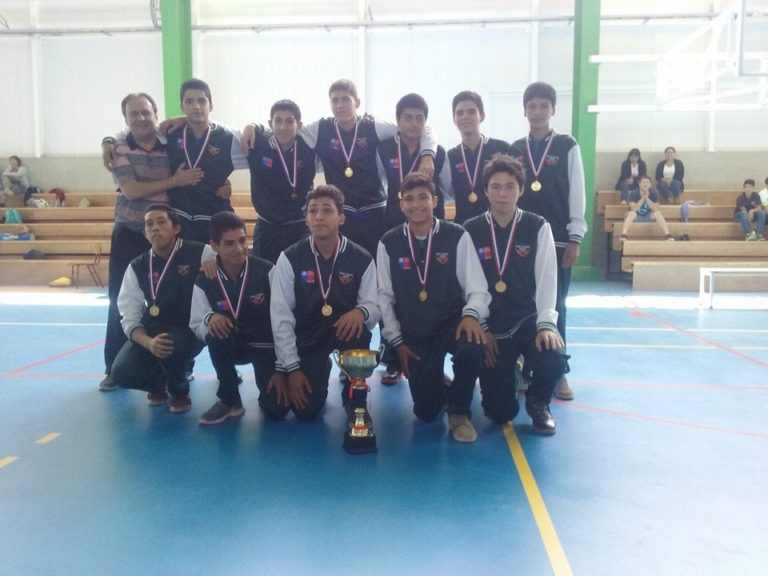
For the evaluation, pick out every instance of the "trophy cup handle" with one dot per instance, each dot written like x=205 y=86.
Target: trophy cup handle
x=335 y=355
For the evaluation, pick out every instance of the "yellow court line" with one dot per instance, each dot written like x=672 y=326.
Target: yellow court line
x=555 y=552
x=7 y=460
x=48 y=438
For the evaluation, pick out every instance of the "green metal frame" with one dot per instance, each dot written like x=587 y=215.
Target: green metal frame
x=586 y=40
x=177 y=50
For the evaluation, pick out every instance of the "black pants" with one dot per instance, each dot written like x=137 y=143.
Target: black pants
x=428 y=388
x=126 y=245
x=198 y=230
x=269 y=240
x=135 y=367
x=365 y=228
x=227 y=354
x=497 y=384
x=316 y=365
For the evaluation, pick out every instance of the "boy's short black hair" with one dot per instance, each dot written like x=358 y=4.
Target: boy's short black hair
x=344 y=85
x=644 y=177
x=224 y=221
x=749 y=181
x=195 y=84
x=540 y=90
x=327 y=191
x=417 y=180
x=472 y=97
x=507 y=164
x=411 y=101
x=288 y=105
x=172 y=215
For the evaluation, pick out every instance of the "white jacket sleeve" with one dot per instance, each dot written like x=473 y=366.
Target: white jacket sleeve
x=577 y=198
x=199 y=314
x=130 y=302
x=281 y=310
x=471 y=278
x=545 y=271
x=390 y=329
x=367 y=297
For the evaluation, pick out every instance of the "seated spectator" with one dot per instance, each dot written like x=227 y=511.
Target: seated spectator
x=750 y=209
x=644 y=207
x=631 y=170
x=15 y=179
x=764 y=196
x=669 y=176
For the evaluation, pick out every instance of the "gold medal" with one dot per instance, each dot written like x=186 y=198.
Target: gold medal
x=326 y=310
x=501 y=286
x=535 y=185
x=154 y=310
x=423 y=295
x=472 y=197
x=348 y=172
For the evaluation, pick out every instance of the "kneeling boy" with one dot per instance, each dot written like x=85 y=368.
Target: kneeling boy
x=433 y=296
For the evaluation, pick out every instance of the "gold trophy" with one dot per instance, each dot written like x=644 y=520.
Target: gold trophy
x=358 y=365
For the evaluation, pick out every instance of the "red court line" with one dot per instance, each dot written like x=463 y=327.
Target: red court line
x=658 y=420
x=611 y=384
x=56 y=357
x=640 y=314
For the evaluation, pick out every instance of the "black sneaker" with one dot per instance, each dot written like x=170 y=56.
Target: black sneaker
x=543 y=422
x=107 y=385
x=391 y=376
x=220 y=412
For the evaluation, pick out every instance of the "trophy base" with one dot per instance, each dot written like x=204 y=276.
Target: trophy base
x=359 y=444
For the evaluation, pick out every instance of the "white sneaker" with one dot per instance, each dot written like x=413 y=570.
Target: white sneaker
x=461 y=428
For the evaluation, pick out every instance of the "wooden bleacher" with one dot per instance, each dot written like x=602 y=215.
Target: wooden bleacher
x=714 y=240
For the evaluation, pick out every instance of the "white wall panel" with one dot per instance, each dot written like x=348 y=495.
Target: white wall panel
x=16 y=113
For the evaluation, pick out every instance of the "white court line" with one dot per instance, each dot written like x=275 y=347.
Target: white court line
x=626 y=329
x=659 y=346
x=57 y=324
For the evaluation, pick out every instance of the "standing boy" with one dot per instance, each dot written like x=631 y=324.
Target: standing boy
x=433 y=296
x=517 y=253
x=323 y=298
x=155 y=301
x=282 y=172
x=555 y=190
x=208 y=146
x=230 y=313
x=465 y=162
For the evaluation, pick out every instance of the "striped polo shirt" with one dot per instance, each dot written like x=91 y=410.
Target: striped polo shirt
x=132 y=163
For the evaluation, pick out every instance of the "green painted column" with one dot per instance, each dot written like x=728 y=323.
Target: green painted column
x=177 y=50
x=586 y=42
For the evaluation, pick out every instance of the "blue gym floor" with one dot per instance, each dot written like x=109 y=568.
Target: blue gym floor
x=659 y=467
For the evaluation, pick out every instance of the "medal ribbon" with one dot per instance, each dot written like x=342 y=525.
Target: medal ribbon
x=325 y=293
x=472 y=179
x=347 y=157
x=536 y=171
x=427 y=258
x=500 y=268
x=276 y=145
x=243 y=279
x=154 y=290
x=202 y=150
x=400 y=160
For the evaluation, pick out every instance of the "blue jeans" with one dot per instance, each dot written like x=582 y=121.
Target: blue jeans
x=673 y=189
x=625 y=189
x=758 y=217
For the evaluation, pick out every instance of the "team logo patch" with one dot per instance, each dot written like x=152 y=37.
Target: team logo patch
x=404 y=263
x=362 y=142
x=441 y=257
x=308 y=277
x=552 y=160
x=522 y=251
x=485 y=253
x=266 y=162
x=394 y=163
x=461 y=168
x=183 y=269
x=222 y=306
x=257 y=298
x=335 y=144
x=346 y=277
x=213 y=150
